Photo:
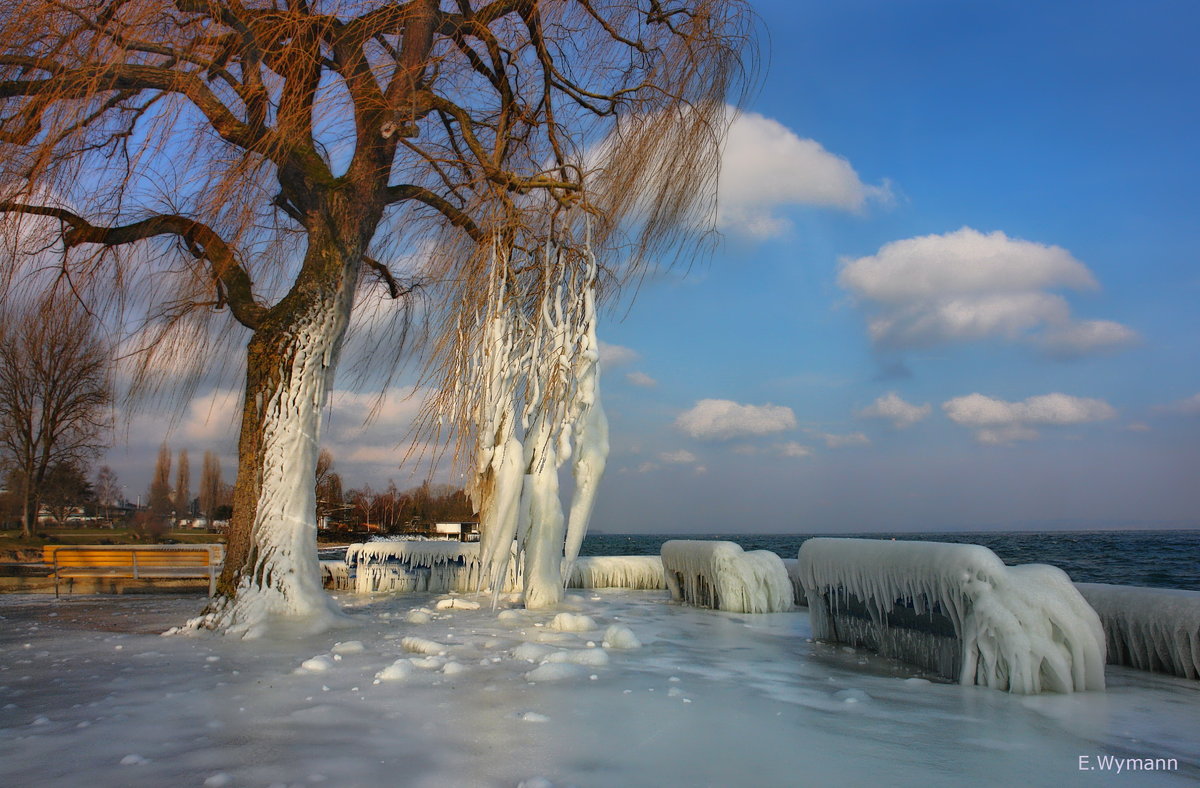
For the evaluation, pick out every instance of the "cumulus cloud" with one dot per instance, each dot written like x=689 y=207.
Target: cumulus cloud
x=967 y=285
x=793 y=449
x=1085 y=338
x=997 y=421
x=212 y=418
x=722 y=419
x=681 y=457
x=834 y=441
x=893 y=408
x=765 y=166
x=641 y=379
x=616 y=355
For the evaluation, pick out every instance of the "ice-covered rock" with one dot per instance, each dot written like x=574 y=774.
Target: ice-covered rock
x=1156 y=629
x=956 y=609
x=721 y=576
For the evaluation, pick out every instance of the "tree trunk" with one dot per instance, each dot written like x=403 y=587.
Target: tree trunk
x=271 y=566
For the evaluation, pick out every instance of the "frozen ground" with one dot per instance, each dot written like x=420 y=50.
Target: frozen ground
x=91 y=695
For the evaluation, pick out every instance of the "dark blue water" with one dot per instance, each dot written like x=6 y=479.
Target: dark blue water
x=1163 y=559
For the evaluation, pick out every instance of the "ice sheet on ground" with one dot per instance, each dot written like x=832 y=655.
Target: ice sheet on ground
x=751 y=695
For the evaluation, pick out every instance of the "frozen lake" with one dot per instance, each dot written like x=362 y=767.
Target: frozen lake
x=91 y=694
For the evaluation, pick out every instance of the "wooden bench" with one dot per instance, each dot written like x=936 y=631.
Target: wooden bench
x=135 y=562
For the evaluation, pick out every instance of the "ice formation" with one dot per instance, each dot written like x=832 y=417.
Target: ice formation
x=1155 y=629
x=528 y=381
x=792 y=565
x=1024 y=629
x=444 y=567
x=721 y=576
x=400 y=566
x=639 y=572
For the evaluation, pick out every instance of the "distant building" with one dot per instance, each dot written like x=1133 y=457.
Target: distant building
x=464 y=532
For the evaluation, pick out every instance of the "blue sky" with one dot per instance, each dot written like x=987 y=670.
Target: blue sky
x=957 y=289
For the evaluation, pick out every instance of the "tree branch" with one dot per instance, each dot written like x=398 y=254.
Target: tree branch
x=229 y=276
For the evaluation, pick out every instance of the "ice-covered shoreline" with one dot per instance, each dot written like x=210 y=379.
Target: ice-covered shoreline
x=708 y=698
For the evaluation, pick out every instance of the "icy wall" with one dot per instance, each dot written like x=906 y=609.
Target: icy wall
x=638 y=572
x=1024 y=629
x=719 y=575
x=1155 y=629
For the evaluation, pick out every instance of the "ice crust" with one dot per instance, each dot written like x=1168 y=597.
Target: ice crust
x=711 y=699
x=720 y=575
x=1156 y=629
x=1024 y=629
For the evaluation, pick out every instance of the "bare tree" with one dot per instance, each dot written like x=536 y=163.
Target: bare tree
x=108 y=490
x=54 y=394
x=210 y=486
x=66 y=489
x=330 y=501
x=261 y=157
x=183 y=488
x=158 y=497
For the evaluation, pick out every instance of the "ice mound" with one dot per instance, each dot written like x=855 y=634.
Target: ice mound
x=637 y=572
x=399 y=670
x=420 y=645
x=1155 y=629
x=555 y=671
x=348 y=647
x=317 y=664
x=592 y=657
x=531 y=652
x=620 y=636
x=719 y=575
x=572 y=622
x=457 y=603
x=956 y=609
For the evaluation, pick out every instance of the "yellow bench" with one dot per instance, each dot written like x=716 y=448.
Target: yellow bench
x=135 y=561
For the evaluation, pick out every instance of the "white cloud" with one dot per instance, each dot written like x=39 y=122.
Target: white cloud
x=722 y=419
x=766 y=165
x=793 y=449
x=681 y=457
x=616 y=355
x=843 y=441
x=997 y=421
x=1086 y=337
x=1189 y=406
x=647 y=467
x=212 y=418
x=967 y=285
x=893 y=408
x=641 y=379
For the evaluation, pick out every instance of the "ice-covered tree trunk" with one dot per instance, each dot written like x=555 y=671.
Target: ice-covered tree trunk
x=535 y=354
x=272 y=568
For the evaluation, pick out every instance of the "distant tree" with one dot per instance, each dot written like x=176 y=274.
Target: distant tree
x=108 y=490
x=183 y=492
x=210 y=486
x=158 y=497
x=330 y=498
x=55 y=394
x=65 y=489
x=365 y=503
